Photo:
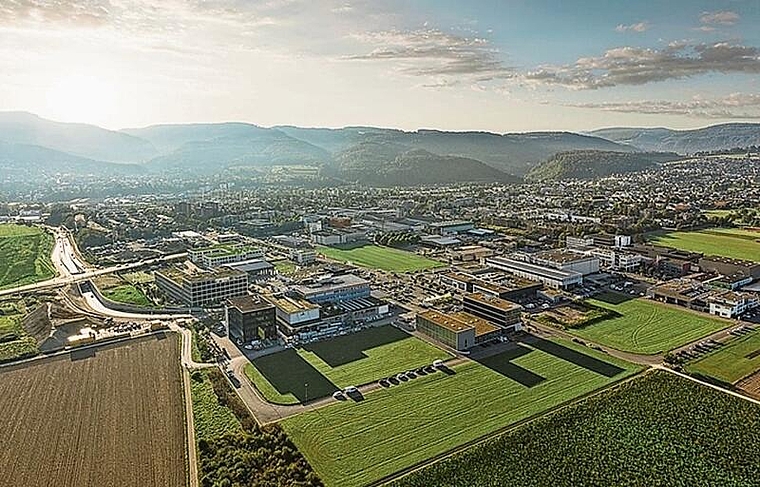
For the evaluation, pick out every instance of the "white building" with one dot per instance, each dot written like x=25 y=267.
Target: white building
x=731 y=304
x=555 y=278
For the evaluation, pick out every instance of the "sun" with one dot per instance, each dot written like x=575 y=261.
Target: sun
x=80 y=98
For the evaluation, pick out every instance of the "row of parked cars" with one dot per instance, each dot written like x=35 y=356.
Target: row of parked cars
x=394 y=379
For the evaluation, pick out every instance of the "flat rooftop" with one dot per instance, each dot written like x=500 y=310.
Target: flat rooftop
x=459 y=321
x=731 y=260
x=187 y=271
x=248 y=304
x=291 y=305
x=562 y=256
x=330 y=283
x=499 y=303
x=519 y=265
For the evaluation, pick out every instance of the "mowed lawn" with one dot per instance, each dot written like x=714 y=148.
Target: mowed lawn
x=129 y=294
x=648 y=327
x=728 y=242
x=732 y=362
x=24 y=255
x=354 y=443
x=383 y=258
x=329 y=365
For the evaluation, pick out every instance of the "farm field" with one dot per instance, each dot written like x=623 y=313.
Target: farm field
x=728 y=242
x=648 y=327
x=355 y=443
x=329 y=365
x=383 y=258
x=25 y=255
x=731 y=363
x=118 y=408
x=659 y=429
x=127 y=293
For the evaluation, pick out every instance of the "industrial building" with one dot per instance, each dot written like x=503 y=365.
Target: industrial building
x=550 y=277
x=256 y=269
x=250 y=318
x=564 y=260
x=704 y=296
x=333 y=288
x=219 y=255
x=452 y=227
x=460 y=331
x=293 y=313
x=505 y=314
x=730 y=267
x=188 y=284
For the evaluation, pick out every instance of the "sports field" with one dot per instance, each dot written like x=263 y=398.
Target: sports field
x=24 y=255
x=732 y=362
x=354 y=443
x=383 y=258
x=648 y=327
x=727 y=242
x=329 y=365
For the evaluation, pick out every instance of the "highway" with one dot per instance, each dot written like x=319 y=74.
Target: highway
x=72 y=269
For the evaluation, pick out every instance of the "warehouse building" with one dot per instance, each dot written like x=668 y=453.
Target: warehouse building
x=250 y=318
x=256 y=269
x=188 y=284
x=460 y=331
x=294 y=313
x=333 y=288
x=566 y=260
x=550 y=277
x=504 y=314
x=730 y=267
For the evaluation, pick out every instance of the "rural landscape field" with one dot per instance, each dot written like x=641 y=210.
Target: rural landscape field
x=727 y=242
x=647 y=327
x=108 y=417
x=383 y=258
x=731 y=363
x=334 y=364
x=355 y=443
x=658 y=429
x=24 y=255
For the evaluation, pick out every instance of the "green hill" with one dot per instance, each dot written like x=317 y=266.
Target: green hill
x=590 y=164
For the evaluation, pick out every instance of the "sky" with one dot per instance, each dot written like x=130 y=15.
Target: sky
x=502 y=66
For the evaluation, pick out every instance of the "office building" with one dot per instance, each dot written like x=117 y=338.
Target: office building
x=250 y=318
x=333 y=288
x=502 y=313
x=192 y=286
x=460 y=331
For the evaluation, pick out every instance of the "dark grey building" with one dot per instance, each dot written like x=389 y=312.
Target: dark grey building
x=250 y=318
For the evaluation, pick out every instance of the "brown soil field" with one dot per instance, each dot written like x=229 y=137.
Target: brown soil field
x=107 y=417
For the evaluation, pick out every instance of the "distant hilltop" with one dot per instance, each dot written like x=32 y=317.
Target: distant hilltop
x=32 y=147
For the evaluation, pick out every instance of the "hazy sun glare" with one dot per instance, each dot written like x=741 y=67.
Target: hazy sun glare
x=80 y=98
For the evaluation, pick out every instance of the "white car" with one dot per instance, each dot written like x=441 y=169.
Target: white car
x=337 y=395
x=249 y=347
x=437 y=363
x=351 y=390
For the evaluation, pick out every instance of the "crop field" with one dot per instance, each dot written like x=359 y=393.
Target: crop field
x=24 y=255
x=355 y=443
x=127 y=293
x=110 y=416
x=383 y=258
x=731 y=363
x=648 y=327
x=329 y=365
x=728 y=242
x=658 y=429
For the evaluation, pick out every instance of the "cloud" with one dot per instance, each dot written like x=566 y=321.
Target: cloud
x=638 y=66
x=723 y=17
x=89 y=13
x=637 y=27
x=433 y=53
x=735 y=105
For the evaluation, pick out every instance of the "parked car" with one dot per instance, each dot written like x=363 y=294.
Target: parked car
x=351 y=390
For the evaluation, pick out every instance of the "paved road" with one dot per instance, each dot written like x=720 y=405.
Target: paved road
x=69 y=266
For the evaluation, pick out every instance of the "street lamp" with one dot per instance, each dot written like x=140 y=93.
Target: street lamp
x=306 y=387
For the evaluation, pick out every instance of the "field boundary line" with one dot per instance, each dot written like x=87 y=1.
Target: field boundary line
x=707 y=384
x=501 y=431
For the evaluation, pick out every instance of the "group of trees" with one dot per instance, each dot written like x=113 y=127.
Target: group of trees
x=396 y=239
x=254 y=456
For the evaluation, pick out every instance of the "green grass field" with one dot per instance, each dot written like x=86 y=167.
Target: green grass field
x=211 y=418
x=728 y=242
x=285 y=267
x=333 y=364
x=9 y=329
x=383 y=258
x=24 y=255
x=354 y=443
x=127 y=293
x=732 y=362
x=648 y=327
